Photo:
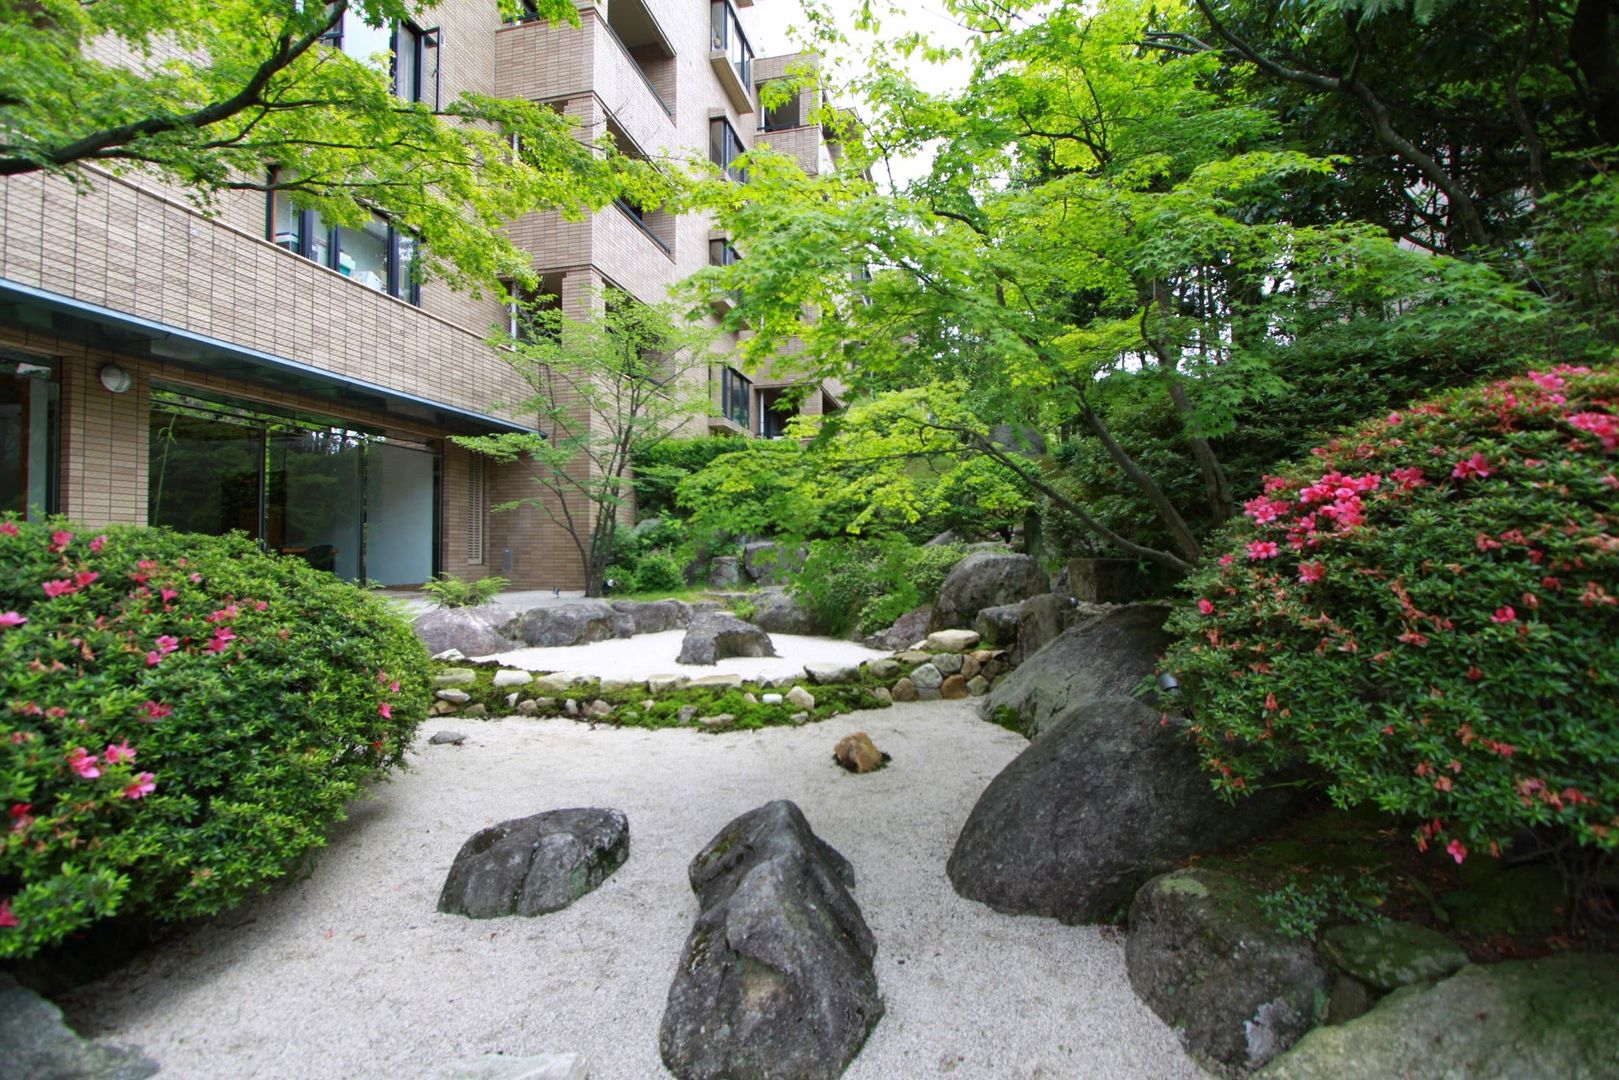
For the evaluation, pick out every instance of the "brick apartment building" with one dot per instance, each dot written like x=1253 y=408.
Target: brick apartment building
x=256 y=370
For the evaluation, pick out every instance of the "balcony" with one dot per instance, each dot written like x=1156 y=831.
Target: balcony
x=730 y=55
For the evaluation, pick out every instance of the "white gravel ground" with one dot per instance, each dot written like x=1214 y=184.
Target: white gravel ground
x=654 y=654
x=351 y=973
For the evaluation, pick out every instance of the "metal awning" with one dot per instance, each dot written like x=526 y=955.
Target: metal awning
x=29 y=308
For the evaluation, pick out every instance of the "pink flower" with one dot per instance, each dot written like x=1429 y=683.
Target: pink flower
x=120 y=753
x=144 y=784
x=1227 y=559
x=1602 y=425
x=1475 y=467
x=1408 y=478
x=1458 y=851
x=167 y=594
x=60 y=540
x=7 y=919
x=224 y=614
x=196 y=579
x=393 y=687
x=155 y=711
x=1263 y=549
x=8 y=528
x=83 y=762
x=84 y=577
x=11 y=618
x=20 y=817
x=1206 y=607
x=153 y=659
x=385 y=710
x=58 y=588
x=97 y=544
x=167 y=644
x=1312 y=572
x=1504 y=614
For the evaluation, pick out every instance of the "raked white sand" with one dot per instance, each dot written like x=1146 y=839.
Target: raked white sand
x=351 y=973
x=654 y=654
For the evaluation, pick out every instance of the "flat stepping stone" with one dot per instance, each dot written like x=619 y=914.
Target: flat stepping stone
x=1388 y=955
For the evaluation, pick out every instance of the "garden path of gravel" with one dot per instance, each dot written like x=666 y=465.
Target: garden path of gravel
x=351 y=972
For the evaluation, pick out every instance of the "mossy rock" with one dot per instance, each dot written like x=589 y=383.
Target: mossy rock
x=1525 y=900
x=1549 y=1018
x=1389 y=955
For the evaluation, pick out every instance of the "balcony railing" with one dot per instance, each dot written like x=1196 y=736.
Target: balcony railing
x=730 y=55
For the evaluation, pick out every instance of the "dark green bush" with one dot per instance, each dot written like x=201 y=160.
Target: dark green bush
x=183 y=717
x=1427 y=612
x=866 y=584
x=658 y=571
x=659 y=469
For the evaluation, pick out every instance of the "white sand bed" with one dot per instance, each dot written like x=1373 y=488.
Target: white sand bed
x=654 y=654
x=352 y=973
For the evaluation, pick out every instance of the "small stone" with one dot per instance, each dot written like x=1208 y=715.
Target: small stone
x=977 y=686
x=750 y=699
x=618 y=686
x=648 y=703
x=449 y=656
x=799 y=718
x=970 y=667
x=776 y=682
x=511 y=699
x=884 y=669
x=913 y=657
x=512 y=678
x=771 y=699
x=558 y=681
x=1349 y=999
x=948 y=663
x=953 y=689
x=858 y=754
x=952 y=641
x=717 y=680
x=984 y=656
x=904 y=690
x=717 y=720
x=1388 y=955
x=662 y=684
x=475 y=710
x=571 y=707
x=686 y=713
x=442 y=708
x=447 y=738
x=454 y=697
x=992 y=670
x=882 y=696
x=546 y=704
x=927 y=677
x=924 y=693
x=598 y=709
x=455 y=677
x=826 y=674
x=528 y=707
x=800 y=698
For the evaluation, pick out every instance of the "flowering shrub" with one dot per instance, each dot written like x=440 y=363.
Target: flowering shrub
x=1428 y=612
x=181 y=717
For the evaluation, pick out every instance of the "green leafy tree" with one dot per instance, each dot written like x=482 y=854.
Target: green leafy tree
x=248 y=95
x=605 y=388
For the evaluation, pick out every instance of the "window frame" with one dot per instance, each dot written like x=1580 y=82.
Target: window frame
x=731 y=394
x=399 y=282
x=732 y=171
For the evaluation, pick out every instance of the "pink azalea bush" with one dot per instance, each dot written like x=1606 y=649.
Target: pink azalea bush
x=181 y=718
x=1427 y=611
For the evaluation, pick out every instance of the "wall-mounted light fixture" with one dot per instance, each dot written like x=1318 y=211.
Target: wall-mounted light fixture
x=115 y=378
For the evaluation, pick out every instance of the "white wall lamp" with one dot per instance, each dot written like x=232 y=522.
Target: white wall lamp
x=115 y=378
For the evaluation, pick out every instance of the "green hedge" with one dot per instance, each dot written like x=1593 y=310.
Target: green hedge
x=181 y=718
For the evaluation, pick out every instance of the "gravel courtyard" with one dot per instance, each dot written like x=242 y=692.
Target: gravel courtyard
x=351 y=972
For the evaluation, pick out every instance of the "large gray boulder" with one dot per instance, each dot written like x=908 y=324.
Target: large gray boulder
x=904 y=632
x=776 y=978
x=985 y=579
x=654 y=616
x=779 y=613
x=725 y=572
x=535 y=865
x=1040 y=619
x=37 y=1044
x=768 y=563
x=577 y=623
x=998 y=625
x=1204 y=957
x=714 y=636
x=1107 y=798
x=1102 y=657
x=1546 y=1019
x=474 y=631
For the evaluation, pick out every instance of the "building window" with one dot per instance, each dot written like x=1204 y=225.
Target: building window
x=725 y=147
x=409 y=54
x=29 y=400
x=721 y=253
x=729 y=39
x=377 y=255
x=736 y=392
x=477 y=509
x=789 y=114
x=527 y=11
x=522 y=305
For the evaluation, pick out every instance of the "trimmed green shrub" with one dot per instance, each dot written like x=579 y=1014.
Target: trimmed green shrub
x=1428 y=613
x=658 y=571
x=866 y=584
x=181 y=718
x=449 y=591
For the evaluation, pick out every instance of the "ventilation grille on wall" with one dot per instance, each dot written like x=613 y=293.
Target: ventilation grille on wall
x=476 y=506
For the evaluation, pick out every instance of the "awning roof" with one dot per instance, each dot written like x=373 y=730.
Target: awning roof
x=36 y=309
